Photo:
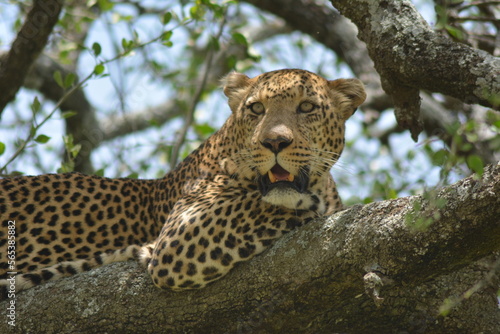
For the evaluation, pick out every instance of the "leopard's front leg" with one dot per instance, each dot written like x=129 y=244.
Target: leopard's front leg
x=206 y=235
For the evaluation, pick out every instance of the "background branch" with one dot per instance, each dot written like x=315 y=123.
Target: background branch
x=28 y=44
x=408 y=53
x=83 y=125
x=339 y=34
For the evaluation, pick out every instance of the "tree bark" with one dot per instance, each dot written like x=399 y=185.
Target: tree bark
x=28 y=44
x=409 y=56
x=385 y=267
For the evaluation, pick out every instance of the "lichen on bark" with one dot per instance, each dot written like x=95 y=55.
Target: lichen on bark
x=316 y=279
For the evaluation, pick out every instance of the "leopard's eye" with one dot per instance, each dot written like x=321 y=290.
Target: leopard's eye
x=257 y=108
x=306 y=107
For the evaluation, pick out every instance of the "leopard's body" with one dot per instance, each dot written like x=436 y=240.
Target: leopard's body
x=265 y=172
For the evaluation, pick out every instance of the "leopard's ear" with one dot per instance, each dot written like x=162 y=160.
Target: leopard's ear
x=353 y=94
x=234 y=88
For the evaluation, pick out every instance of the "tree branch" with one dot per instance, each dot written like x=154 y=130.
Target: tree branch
x=41 y=78
x=365 y=269
x=407 y=53
x=28 y=44
x=116 y=126
x=83 y=126
x=331 y=29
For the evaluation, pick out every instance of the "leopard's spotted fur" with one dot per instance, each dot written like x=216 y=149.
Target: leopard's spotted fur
x=265 y=172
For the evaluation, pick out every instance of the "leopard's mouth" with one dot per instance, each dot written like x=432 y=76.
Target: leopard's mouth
x=278 y=177
x=279 y=174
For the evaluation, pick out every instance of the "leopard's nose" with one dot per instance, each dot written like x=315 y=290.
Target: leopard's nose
x=276 y=145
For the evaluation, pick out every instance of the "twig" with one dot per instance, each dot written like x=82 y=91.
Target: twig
x=38 y=126
x=480 y=285
x=478 y=4
x=199 y=90
x=473 y=18
x=67 y=94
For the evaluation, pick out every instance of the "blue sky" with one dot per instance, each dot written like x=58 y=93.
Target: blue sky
x=142 y=91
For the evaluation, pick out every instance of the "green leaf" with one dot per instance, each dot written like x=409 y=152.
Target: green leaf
x=68 y=141
x=96 y=47
x=133 y=176
x=392 y=194
x=166 y=38
x=98 y=69
x=2 y=148
x=32 y=131
x=66 y=167
x=75 y=150
x=231 y=61
x=58 y=78
x=127 y=44
x=42 y=139
x=440 y=157
x=204 y=129
x=455 y=32
x=240 y=39
x=440 y=202
x=476 y=164
x=367 y=200
x=105 y=5
x=410 y=155
x=166 y=18
x=68 y=81
x=166 y=35
x=35 y=106
x=68 y=114
x=99 y=172
x=215 y=43
x=135 y=34
x=197 y=12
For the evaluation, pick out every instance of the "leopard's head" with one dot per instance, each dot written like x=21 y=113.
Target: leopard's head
x=287 y=129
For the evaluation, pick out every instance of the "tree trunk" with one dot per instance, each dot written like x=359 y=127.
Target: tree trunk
x=28 y=44
x=383 y=267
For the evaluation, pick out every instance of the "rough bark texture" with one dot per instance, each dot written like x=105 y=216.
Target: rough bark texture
x=410 y=56
x=364 y=270
x=28 y=44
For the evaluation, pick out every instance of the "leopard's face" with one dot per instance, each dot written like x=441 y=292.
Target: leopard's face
x=289 y=132
x=263 y=174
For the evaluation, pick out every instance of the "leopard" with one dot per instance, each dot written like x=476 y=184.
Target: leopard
x=265 y=172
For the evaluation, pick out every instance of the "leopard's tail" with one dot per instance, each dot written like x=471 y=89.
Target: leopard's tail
x=19 y=282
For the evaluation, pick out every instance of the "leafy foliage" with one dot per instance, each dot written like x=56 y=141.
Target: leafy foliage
x=134 y=56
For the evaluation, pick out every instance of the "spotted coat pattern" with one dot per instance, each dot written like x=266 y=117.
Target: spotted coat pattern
x=265 y=172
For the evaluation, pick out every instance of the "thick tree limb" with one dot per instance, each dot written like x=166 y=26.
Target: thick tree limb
x=28 y=44
x=362 y=270
x=409 y=55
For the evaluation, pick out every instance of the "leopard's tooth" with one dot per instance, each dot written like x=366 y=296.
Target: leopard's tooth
x=291 y=178
x=272 y=178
